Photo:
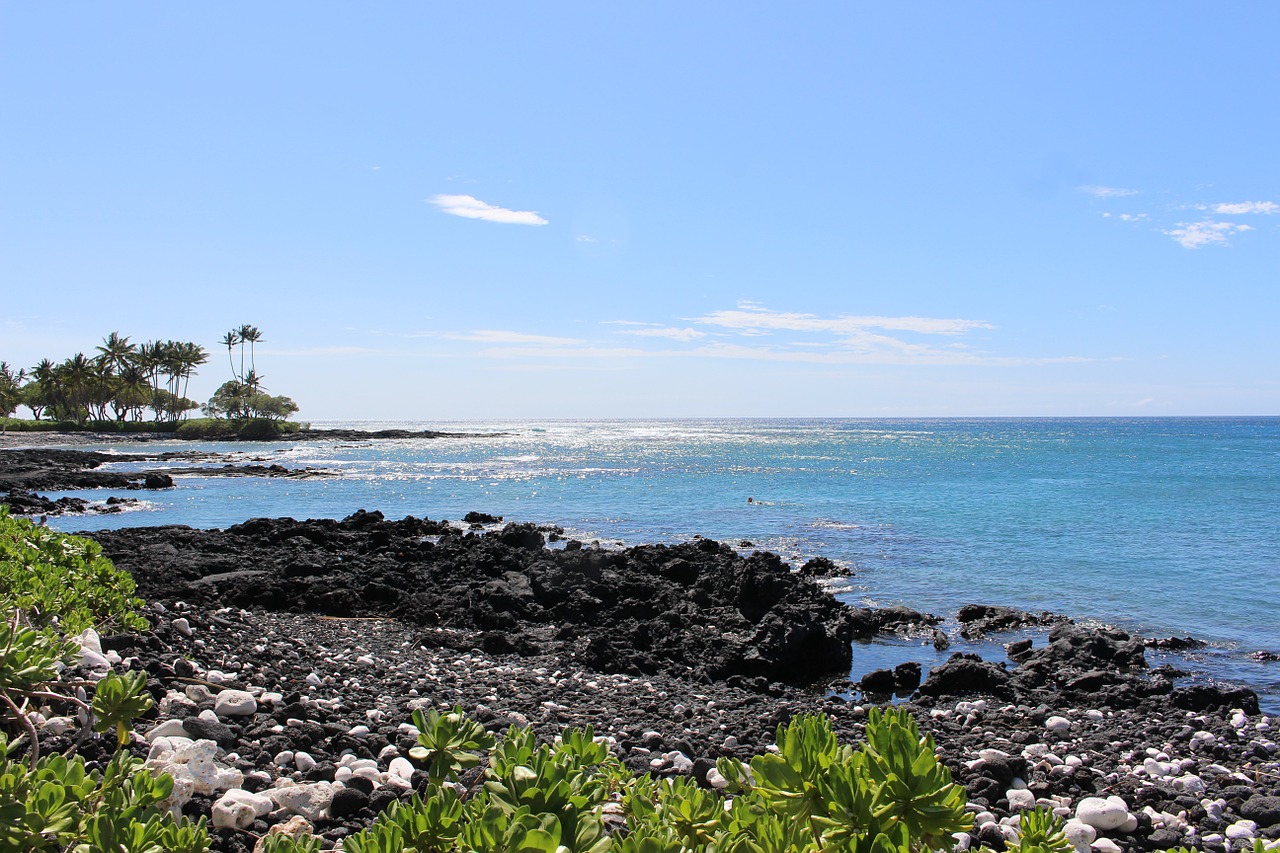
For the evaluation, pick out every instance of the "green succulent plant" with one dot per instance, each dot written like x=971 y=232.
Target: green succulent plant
x=448 y=743
x=118 y=700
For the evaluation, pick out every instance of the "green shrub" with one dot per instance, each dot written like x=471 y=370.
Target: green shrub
x=206 y=428
x=229 y=428
x=54 y=585
x=56 y=805
x=59 y=581
x=123 y=427
x=890 y=796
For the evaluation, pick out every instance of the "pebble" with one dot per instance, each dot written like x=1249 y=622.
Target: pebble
x=400 y=767
x=182 y=626
x=235 y=703
x=237 y=808
x=306 y=800
x=303 y=761
x=1020 y=799
x=1057 y=725
x=1111 y=813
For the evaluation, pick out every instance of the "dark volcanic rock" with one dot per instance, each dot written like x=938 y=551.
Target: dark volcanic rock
x=474 y=517
x=902 y=621
x=977 y=620
x=821 y=567
x=1264 y=810
x=1203 y=697
x=22 y=471
x=1175 y=644
x=1081 y=660
x=697 y=609
x=880 y=681
x=907 y=675
x=157 y=481
x=965 y=674
x=22 y=502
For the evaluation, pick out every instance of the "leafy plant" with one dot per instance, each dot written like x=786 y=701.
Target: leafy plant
x=277 y=842
x=448 y=743
x=1040 y=831
x=117 y=700
x=56 y=805
x=63 y=582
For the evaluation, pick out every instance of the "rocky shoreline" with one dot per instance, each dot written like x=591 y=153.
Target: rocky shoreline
x=287 y=656
x=26 y=472
x=339 y=629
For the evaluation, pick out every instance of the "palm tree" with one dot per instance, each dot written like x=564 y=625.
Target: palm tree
x=39 y=393
x=133 y=390
x=192 y=355
x=244 y=331
x=101 y=389
x=10 y=390
x=148 y=359
x=253 y=336
x=77 y=377
x=229 y=340
x=116 y=352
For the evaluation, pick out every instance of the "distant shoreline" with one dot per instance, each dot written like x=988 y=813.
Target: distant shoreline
x=66 y=438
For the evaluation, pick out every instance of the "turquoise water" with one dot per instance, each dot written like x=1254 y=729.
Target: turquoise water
x=1165 y=526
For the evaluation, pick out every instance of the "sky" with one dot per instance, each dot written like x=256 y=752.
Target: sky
x=513 y=210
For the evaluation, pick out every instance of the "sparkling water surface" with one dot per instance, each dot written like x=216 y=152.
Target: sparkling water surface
x=1166 y=526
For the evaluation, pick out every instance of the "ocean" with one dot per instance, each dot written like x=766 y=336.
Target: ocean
x=1162 y=526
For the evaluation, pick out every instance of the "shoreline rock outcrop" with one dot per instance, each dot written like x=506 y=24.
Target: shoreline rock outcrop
x=696 y=610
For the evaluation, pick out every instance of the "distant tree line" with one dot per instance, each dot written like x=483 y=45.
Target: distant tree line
x=126 y=382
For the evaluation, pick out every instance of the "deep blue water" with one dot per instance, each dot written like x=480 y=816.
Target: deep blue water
x=1164 y=525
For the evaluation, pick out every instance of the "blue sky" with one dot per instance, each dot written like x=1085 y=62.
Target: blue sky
x=665 y=209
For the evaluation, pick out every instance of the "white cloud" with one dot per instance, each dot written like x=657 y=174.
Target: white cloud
x=1247 y=207
x=752 y=332
x=1133 y=217
x=495 y=336
x=1106 y=192
x=470 y=207
x=920 y=355
x=750 y=318
x=674 y=334
x=1193 y=235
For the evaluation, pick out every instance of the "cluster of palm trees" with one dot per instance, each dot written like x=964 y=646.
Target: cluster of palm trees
x=238 y=338
x=120 y=383
x=245 y=396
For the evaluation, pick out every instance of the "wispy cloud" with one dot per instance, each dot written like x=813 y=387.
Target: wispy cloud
x=1241 y=207
x=670 y=332
x=1194 y=235
x=1106 y=192
x=497 y=336
x=754 y=332
x=750 y=317
x=470 y=207
x=741 y=352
